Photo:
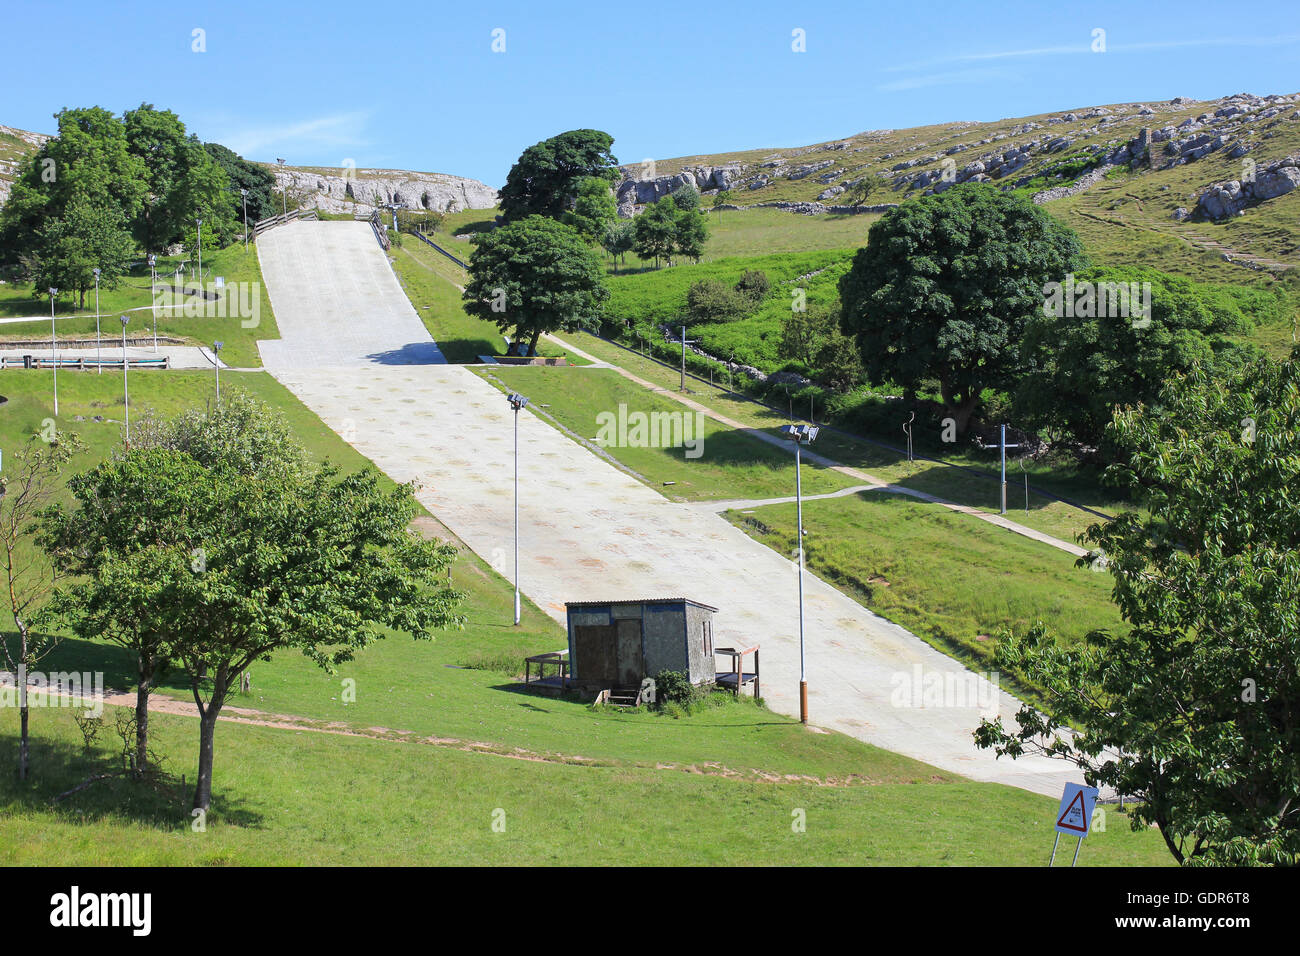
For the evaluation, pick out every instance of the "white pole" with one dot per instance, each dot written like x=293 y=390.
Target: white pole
x=54 y=353
x=126 y=393
x=153 y=279
x=99 y=350
x=516 y=517
x=798 y=497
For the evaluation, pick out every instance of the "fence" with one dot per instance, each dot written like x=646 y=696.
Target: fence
x=81 y=364
x=264 y=224
x=377 y=224
x=421 y=236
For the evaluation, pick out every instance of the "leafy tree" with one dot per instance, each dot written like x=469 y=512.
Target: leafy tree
x=31 y=481
x=721 y=198
x=692 y=233
x=946 y=287
x=546 y=176
x=129 y=534
x=89 y=235
x=286 y=558
x=88 y=161
x=258 y=180
x=532 y=276
x=753 y=285
x=1195 y=711
x=655 y=231
x=712 y=300
x=1106 y=351
x=805 y=333
x=860 y=191
x=619 y=238
x=593 y=209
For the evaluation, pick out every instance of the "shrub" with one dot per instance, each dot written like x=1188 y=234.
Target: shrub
x=674 y=688
x=754 y=285
x=711 y=300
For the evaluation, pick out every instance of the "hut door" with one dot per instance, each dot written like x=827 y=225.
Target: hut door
x=595 y=651
x=631 y=662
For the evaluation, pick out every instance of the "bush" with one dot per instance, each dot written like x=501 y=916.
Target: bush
x=753 y=285
x=673 y=688
x=713 y=301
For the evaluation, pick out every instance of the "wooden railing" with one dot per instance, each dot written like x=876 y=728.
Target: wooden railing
x=264 y=224
x=426 y=239
x=377 y=224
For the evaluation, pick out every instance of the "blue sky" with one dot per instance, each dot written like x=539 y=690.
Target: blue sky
x=418 y=86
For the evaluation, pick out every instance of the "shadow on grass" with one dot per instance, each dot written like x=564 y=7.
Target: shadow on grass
x=58 y=766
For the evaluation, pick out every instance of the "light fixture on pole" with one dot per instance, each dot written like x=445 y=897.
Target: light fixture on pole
x=516 y=402
x=99 y=351
x=126 y=394
x=54 y=351
x=1002 y=442
x=800 y=435
x=153 y=280
x=200 y=228
x=244 y=195
x=685 y=342
x=216 y=362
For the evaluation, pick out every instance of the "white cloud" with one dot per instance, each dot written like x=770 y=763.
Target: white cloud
x=303 y=142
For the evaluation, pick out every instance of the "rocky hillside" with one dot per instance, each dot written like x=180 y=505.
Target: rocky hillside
x=362 y=190
x=14 y=145
x=1056 y=155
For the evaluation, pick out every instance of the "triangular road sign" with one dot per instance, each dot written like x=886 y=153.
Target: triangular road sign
x=1075 y=814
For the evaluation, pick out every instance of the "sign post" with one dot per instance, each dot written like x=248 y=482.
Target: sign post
x=1074 y=817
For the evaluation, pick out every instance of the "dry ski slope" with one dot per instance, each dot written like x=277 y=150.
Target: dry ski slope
x=354 y=350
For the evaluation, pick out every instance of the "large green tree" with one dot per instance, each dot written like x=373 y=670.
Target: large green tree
x=545 y=179
x=258 y=180
x=946 y=287
x=1194 y=710
x=233 y=566
x=88 y=161
x=68 y=249
x=1114 y=337
x=533 y=276
x=654 y=232
x=593 y=209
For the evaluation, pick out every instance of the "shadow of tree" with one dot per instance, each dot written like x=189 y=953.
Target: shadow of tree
x=57 y=766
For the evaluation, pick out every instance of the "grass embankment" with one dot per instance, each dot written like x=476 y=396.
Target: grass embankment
x=133 y=297
x=296 y=796
x=433 y=283
x=731 y=463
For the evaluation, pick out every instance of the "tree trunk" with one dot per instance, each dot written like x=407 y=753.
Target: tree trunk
x=207 y=732
x=203 y=785
x=146 y=668
x=532 y=347
x=22 y=745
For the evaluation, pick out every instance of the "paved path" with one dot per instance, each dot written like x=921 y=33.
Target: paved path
x=337 y=300
x=591 y=532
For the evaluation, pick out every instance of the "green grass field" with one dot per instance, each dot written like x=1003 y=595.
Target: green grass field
x=133 y=297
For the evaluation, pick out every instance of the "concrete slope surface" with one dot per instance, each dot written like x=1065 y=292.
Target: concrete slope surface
x=337 y=301
x=591 y=532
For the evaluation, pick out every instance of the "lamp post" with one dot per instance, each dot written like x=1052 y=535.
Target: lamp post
x=285 y=191
x=54 y=352
x=153 y=279
x=126 y=394
x=99 y=351
x=244 y=197
x=200 y=228
x=216 y=362
x=800 y=435
x=516 y=402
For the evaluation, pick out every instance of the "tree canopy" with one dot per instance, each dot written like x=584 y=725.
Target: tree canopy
x=546 y=177
x=1195 y=710
x=533 y=276
x=946 y=287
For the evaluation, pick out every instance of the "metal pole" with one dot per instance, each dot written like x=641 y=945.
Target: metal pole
x=1003 y=445
x=126 y=392
x=99 y=353
x=54 y=352
x=516 y=517
x=1054 y=843
x=1076 y=852
x=153 y=278
x=683 y=388
x=798 y=497
x=200 y=222
x=244 y=194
